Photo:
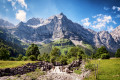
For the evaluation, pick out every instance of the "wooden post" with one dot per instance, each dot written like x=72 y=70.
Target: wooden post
x=95 y=71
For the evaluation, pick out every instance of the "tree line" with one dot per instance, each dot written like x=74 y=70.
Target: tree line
x=75 y=53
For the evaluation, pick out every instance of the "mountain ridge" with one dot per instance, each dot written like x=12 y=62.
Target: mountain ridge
x=37 y=30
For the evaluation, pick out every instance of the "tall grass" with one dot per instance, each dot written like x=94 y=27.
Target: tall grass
x=12 y=64
x=108 y=69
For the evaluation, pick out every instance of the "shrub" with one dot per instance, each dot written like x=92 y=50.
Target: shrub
x=90 y=66
x=63 y=60
x=32 y=58
x=24 y=58
x=12 y=59
x=4 y=54
x=105 y=56
x=19 y=57
x=117 y=54
x=78 y=71
x=71 y=59
x=100 y=51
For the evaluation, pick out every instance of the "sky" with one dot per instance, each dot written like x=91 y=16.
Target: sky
x=97 y=15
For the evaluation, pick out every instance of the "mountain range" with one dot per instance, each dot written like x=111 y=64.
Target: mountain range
x=40 y=31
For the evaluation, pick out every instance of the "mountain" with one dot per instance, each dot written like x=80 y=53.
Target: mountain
x=10 y=43
x=59 y=26
x=104 y=38
x=64 y=45
x=6 y=24
x=116 y=34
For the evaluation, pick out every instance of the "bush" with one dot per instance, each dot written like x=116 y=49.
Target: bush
x=24 y=58
x=101 y=51
x=39 y=58
x=71 y=59
x=117 y=54
x=63 y=60
x=90 y=66
x=19 y=57
x=12 y=59
x=32 y=58
x=78 y=71
x=105 y=56
x=4 y=54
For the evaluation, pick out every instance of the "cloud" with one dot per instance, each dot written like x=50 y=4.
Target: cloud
x=117 y=16
x=86 y=22
x=116 y=8
x=22 y=3
x=21 y=15
x=106 y=8
x=13 y=4
x=98 y=22
x=109 y=29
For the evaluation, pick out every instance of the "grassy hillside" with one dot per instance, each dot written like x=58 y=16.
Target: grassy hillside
x=12 y=64
x=108 y=69
x=64 y=45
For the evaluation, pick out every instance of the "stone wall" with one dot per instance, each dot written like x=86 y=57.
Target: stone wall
x=74 y=64
x=26 y=68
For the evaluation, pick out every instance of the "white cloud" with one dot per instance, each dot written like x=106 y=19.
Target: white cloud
x=114 y=22
x=13 y=4
x=99 y=22
x=109 y=29
x=106 y=8
x=86 y=22
x=22 y=3
x=21 y=15
x=116 y=8
x=117 y=16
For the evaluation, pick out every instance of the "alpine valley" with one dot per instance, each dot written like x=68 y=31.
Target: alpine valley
x=58 y=31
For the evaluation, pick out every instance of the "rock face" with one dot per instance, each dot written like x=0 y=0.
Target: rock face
x=6 y=24
x=104 y=38
x=116 y=34
x=59 y=26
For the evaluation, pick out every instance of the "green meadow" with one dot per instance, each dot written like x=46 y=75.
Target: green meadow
x=12 y=64
x=108 y=69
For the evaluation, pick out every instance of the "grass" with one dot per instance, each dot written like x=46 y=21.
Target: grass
x=36 y=74
x=78 y=71
x=29 y=76
x=12 y=64
x=108 y=69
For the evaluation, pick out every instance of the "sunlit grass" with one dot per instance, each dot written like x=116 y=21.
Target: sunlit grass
x=108 y=69
x=12 y=64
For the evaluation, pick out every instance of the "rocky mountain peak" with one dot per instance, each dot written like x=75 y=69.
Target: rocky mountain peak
x=60 y=16
x=6 y=24
x=116 y=34
x=34 y=21
x=59 y=26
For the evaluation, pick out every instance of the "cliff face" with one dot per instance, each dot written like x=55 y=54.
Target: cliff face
x=59 y=26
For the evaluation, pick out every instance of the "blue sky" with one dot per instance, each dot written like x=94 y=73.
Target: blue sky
x=94 y=14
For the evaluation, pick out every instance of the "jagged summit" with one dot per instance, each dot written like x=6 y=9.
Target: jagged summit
x=59 y=26
x=6 y=24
